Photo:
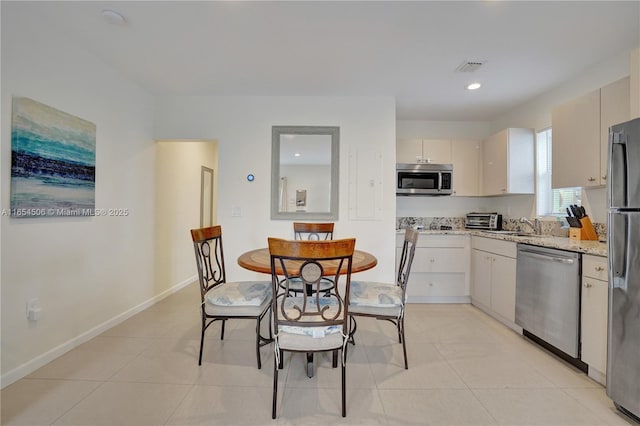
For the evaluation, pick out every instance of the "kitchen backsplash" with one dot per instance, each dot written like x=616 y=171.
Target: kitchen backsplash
x=549 y=227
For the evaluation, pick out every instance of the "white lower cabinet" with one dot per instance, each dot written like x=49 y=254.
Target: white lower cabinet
x=493 y=286
x=594 y=315
x=440 y=269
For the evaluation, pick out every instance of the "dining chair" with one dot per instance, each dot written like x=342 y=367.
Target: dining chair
x=221 y=300
x=312 y=232
x=385 y=301
x=310 y=323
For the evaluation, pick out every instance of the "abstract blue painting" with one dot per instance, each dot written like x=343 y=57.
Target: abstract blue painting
x=53 y=162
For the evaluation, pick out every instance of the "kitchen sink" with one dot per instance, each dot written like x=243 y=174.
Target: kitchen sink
x=524 y=234
x=519 y=234
x=502 y=232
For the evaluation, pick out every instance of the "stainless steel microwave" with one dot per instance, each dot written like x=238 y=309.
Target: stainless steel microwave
x=424 y=179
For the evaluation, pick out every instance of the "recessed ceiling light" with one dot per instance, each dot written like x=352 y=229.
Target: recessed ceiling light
x=297 y=154
x=113 y=17
x=473 y=86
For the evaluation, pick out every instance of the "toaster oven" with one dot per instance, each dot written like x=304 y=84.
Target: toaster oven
x=486 y=221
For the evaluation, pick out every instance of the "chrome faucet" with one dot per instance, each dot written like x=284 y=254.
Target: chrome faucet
x=536 y=226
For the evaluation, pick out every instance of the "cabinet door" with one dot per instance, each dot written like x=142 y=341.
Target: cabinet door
x=465 y=156
x=503 y=287
x=408 y=151
x=614 y=109
x=494 y=164
x=594 y=323
x=436 y=151
x=481 y=273
x=576 y=142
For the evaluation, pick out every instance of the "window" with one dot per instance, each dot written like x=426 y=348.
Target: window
x=550 y=202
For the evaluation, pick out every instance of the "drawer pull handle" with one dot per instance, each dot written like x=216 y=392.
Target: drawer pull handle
x=587 y=285
x=599 y=268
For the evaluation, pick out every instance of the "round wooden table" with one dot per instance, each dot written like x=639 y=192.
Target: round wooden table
x=259 y=260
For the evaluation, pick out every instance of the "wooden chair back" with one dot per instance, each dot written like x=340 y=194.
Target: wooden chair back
x=313 y=231
x=207 y=244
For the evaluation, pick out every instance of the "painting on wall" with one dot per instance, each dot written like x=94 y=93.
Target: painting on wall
x=53 y=157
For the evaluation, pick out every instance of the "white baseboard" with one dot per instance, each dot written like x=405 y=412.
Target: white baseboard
x=440 y=299
x=598 y=376
x=41 y=360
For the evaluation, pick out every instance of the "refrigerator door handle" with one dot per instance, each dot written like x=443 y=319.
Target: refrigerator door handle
x=618 y=170
x=618 y=249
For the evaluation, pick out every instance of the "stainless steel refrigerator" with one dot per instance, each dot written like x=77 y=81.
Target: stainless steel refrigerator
x=623 y=199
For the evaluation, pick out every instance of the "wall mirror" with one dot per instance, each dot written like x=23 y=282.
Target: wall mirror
x=304 y=160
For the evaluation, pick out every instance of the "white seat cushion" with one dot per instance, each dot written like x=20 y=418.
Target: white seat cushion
x=379 y=295
x=307 y=331
x=299 y=342
x=243 y=293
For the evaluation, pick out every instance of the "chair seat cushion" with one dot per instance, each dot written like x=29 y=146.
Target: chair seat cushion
x=242 y=293
x=383 y=295
x=301 y=342
x=306 y=327
x=315 y=332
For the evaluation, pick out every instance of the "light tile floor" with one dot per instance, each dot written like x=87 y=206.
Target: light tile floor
x=464 y=369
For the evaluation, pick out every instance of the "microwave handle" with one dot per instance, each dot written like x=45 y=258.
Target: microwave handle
x=439 y=181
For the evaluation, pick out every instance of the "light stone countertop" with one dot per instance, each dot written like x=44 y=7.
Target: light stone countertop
x=596 y=248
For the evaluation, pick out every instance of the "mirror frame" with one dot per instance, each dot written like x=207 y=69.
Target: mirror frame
x=276 y=133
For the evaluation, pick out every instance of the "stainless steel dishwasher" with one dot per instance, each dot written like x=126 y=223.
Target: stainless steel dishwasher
x=548 y=296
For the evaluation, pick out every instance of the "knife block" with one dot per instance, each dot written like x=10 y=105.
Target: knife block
x=585 y=233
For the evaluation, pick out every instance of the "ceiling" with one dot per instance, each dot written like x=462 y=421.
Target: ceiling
x=407 y=50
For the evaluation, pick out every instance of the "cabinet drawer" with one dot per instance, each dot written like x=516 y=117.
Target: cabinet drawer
x=436 y=285
x=443 y=259
x=594 y=267
x=501 y=247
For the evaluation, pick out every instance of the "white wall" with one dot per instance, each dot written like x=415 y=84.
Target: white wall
x=242 y=127
x=84 y=271
x=418 y=129
x=177 y=210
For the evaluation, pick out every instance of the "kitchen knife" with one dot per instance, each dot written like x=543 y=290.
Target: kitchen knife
x=574 y=210
x=579 y=211
x=583 y=211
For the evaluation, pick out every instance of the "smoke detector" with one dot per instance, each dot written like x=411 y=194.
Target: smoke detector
x=470 y=66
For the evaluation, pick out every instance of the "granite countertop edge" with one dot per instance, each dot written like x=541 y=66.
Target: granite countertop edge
x=596 y=248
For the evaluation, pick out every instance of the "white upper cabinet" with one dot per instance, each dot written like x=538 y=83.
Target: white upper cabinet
x=576 y=142
x=507 y=163
x=614 y=109
x=408 y=150
x=437 y=151
x=580 y=135
x=465 y=156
